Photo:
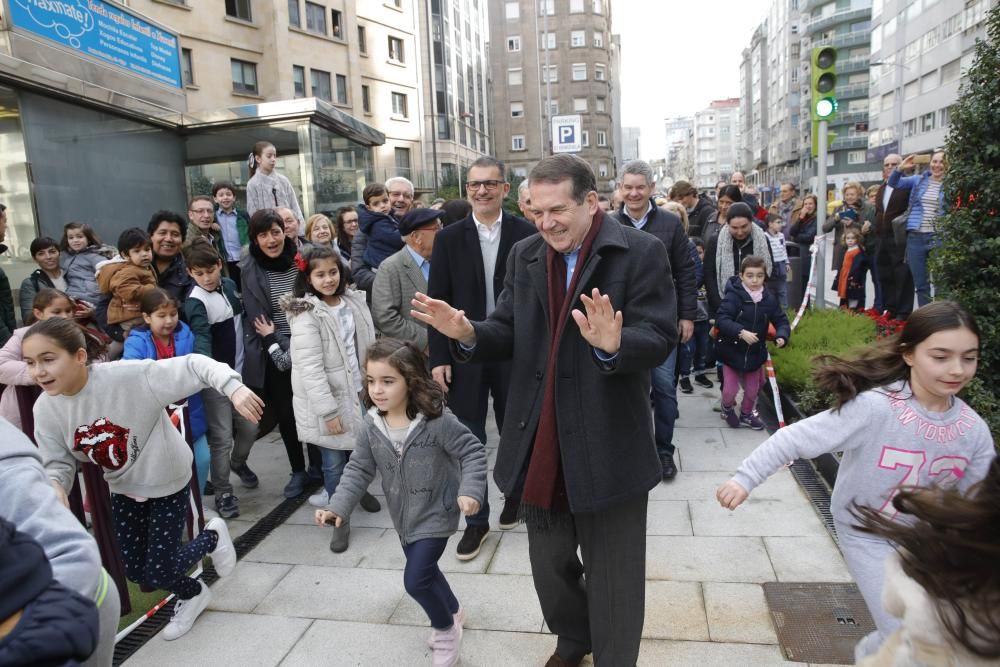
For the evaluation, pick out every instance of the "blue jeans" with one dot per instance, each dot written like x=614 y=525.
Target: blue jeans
x=919 y=247
x=425 y=583
x=693 y=352
x=482 y=517
x=333 y=462
x=665 y=411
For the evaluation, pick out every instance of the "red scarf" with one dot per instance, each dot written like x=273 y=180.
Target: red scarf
x=544 y=486
x=164 y=350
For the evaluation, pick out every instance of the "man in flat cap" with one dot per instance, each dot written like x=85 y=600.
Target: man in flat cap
x=404 y=274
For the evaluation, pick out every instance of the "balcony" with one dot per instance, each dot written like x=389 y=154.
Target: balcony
x=851 y=65
x=849 y=143
x=850 y=118
x=822 y=23
x=851 y=91
x=845 y=40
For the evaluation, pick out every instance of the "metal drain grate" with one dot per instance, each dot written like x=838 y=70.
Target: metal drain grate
x=244 y=544
x=818 y=623
x=805 y=474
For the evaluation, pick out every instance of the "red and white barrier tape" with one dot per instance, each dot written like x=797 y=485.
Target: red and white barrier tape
x=124 y=632
x=769 y=365
x=810 y=294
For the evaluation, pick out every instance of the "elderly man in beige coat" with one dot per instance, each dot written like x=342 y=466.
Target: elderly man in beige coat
x=404 y=274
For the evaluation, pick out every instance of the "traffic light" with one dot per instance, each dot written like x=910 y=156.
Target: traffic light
x=824 y=83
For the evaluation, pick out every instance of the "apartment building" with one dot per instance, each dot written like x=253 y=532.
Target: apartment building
x=716 y=142
x=553 y=58
x=680 y=148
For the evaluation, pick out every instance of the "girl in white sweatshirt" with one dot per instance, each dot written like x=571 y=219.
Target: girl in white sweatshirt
x=114 y=416
x=899 y=422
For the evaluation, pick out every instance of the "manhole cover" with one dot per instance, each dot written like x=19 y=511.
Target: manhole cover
x=818 y=622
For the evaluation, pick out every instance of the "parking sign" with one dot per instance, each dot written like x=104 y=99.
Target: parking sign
x=566 y=134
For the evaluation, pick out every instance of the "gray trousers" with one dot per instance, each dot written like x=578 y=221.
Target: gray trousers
x=230 y=437
x=865 y=558
x=109 y=614
x=597 y=606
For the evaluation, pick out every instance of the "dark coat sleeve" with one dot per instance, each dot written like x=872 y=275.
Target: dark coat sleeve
x=364 y=276
x=711 y=282
x=727 y=318
x=699 y=267
x=439 y=287
x=683 y=271
x=495 y=334
x=782 y=327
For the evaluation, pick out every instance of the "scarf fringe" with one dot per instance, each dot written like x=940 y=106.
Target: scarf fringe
x=540 y=518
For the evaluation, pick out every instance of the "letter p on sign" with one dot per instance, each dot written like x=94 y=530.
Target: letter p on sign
x=566 y=134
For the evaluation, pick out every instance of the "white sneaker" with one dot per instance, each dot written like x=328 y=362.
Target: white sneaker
x=319 y=499
x=224 y=554
x=186 y=612
x=445 y=645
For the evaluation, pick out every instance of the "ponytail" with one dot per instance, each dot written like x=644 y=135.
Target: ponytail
x=253 y=160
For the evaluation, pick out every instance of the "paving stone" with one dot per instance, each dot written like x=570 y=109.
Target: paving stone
x=807 y=559
x=246 y=586
x=335 y=593
x=675 y=610
x=756 y=517
x=738 y=613
x=491 y=601
x=511 y=556
x=694 y=485
x=705 y=449
x=655 y=653
x=250 y=639
x=668 y=517
x=346 y=643
x=387 y=554
x=735 y=559
x=310 y=545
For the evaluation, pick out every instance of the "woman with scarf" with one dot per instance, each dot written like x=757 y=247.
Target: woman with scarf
x=739 y=239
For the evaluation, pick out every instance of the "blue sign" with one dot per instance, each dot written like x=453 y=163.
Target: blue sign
x=105 y=32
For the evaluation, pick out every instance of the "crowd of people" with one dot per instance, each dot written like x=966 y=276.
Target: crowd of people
x=377 y=339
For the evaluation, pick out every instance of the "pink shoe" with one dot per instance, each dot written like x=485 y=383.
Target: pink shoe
x=445 y=645
x=459 y=617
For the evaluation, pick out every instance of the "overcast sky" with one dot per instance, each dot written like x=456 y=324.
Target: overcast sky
x=678 y=56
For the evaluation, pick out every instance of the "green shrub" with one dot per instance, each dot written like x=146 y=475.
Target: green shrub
x=967 y=266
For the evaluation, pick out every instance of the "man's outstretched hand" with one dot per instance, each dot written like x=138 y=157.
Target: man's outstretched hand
x=439 y=314
x=601 y=326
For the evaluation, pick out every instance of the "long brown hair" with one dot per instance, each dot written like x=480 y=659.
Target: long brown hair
x=422 y=393
x=882 y=363
x=953 y=552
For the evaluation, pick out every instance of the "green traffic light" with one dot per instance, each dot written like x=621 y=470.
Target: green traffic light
x=826 y=107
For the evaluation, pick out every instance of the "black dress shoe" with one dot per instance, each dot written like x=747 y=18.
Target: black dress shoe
x=669 y=467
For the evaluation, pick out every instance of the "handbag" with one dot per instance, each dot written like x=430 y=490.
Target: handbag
x=899 y=227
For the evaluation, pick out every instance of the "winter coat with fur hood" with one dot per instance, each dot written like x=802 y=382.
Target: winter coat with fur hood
x=323 y=384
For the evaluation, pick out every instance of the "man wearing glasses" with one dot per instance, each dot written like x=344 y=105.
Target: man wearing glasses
x=467 y=270
x=890 y=258
x=400 y=202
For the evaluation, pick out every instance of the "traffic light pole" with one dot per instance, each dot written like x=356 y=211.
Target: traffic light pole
x=819 y=273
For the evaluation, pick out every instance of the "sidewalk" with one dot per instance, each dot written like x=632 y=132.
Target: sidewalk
x=293 y=602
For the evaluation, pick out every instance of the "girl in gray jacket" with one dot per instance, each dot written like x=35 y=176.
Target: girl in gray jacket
x=432 y=468
x=80 y=253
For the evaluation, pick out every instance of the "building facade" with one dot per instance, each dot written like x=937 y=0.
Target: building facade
x=846 y=25
x=629 y=147
x=716 y=142
x=680 y=148
x=553 y=58
x=920 y=51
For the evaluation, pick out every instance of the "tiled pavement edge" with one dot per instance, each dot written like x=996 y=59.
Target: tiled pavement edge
x=292 y=602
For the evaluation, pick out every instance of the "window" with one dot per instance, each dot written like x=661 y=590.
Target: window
x=887 y=101
x=602 y=170
x=911 y=90
x=239 y=9
x=580 y=105
x=362 y=40
x=599 y=73
x=244 y=76
x=341 y=89
x=399 y=105
x=927 y=122
x=512 y=10
x=575 y=6
x=600 y=104
x=514 y=76
x=598 y=40
x=584 y=137
x=402 y=161
x=945 y=117
x=187 y=69
x=929 y=81
x=514 y=44
x=554 y=108
x=549 y=40
x=320 y=81
x=396 y=50
x=602 y=138
x=299 y=80
x=547 y=7
x=577 y=38
x=366 y=99
x=952 y=71
x=337 y=24
x=579 y=72
x=550 y=74
x=315 y=18
x=517 y=109
x=517 y=142
x=856 y=157
x=910 y=128
x=294 y=18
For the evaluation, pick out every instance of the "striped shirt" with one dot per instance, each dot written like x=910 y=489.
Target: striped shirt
x=279 y=285
x=931 y=201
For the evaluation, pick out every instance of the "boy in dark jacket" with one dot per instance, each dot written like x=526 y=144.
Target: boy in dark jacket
x=742 y=319
x=380 y=228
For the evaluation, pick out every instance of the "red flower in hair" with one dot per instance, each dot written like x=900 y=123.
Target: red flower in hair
x=301 y=262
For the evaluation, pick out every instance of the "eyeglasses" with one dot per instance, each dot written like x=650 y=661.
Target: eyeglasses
x=891 y=164
x=489 y=185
